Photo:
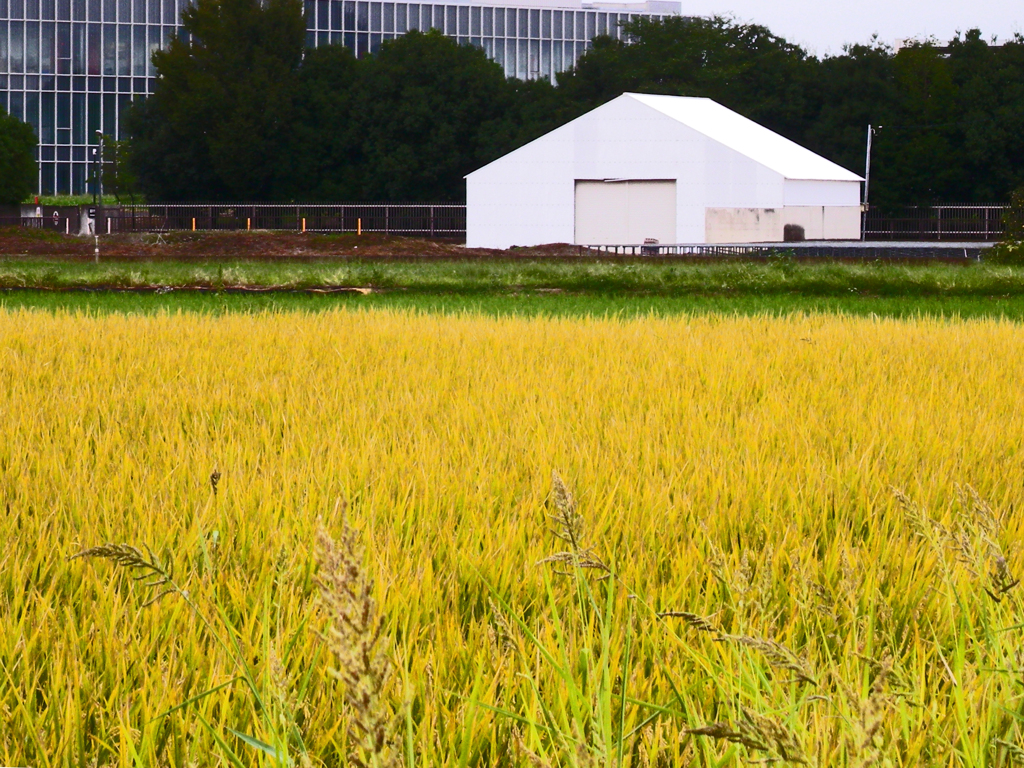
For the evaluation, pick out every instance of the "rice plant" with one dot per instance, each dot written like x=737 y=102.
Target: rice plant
x=782 y=539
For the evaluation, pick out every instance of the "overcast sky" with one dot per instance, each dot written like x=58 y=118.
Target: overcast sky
x=824 y=26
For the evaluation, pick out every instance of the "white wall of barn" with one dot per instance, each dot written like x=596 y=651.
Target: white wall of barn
x=528 y=196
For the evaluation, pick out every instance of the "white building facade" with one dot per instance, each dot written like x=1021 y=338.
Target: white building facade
x=669 y=168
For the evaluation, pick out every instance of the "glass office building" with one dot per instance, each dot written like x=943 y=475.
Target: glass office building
x=70 y=67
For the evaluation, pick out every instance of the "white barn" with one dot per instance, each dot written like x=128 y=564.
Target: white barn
x=672 y=168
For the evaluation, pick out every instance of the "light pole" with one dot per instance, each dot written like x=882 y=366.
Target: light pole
x=97 y=194
x=872 y=129
x=101 y=219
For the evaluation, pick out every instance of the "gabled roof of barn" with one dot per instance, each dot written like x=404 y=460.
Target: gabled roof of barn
x=732 y=130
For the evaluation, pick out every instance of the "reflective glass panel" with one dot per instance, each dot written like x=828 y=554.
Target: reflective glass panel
x=17 y=46
x=109 y=49
x=47 y=48
x=31 y=46
x=63 y=49
x=46 y=121
x=154 y=46
x=78 y=49
x=32 y=111
x=139 y=51
x=124 y=49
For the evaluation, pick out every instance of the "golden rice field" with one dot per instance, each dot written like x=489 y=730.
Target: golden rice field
x=829 y=505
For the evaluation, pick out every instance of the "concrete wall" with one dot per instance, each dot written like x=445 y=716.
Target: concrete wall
x=767 y=225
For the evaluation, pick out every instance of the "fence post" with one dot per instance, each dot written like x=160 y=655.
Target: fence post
x=431 y=221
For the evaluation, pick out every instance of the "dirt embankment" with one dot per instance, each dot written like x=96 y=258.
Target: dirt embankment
x=268 y=246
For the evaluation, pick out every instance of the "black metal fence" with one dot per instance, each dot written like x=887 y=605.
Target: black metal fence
x=914 y=223
x=66 y=220
x=422 y=219
x=31 y=222
x=935 y=222
x=843 y=251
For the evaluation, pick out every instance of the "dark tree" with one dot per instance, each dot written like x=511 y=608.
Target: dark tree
x=990 y=110
x=238 y=113
x=409 y=122
x=118 y=179
x=18 y=170
x=324 y=159
x=220 y=116
x=743 y=66
x=425 y=108
x=853 y=90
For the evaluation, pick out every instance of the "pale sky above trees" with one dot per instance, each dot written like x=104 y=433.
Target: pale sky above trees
x=824 y=26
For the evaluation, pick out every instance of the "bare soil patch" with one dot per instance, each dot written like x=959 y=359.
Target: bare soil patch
x=257 y=246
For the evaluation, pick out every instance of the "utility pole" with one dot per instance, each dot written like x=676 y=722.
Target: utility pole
x=867 y=179
x=92 y=211
x=99 y=181
x=97 y=190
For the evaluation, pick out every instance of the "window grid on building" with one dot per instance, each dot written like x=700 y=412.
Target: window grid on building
x=71 y=67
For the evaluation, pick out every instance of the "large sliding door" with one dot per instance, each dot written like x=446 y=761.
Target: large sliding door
x=625 y=212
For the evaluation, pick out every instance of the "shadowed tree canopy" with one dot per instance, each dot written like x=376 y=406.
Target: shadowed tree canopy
x=240 y=112
x=18 y=170
x=743 y=66
x=425 y=103
x=952 y=117
x=405 y=124
x=222 y=110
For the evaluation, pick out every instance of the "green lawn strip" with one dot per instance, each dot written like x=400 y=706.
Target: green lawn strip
x=487 y=277
x=526 y=304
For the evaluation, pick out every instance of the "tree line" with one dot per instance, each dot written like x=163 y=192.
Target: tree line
x=242 y=111
x=17 y=160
